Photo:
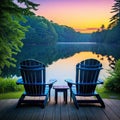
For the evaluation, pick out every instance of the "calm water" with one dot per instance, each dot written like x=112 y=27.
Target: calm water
x=65 y=68
x=62 y=58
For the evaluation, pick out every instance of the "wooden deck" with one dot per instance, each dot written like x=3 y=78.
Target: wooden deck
x=60 y=111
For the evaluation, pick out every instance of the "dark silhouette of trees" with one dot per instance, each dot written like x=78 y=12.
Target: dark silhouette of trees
x=114 y=26
x=111 y=35
x=115 y=19
x=100 y=35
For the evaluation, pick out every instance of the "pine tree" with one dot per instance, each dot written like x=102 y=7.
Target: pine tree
x=11 y=32
x=115 y=19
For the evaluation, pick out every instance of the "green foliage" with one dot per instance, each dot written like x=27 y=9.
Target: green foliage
x=11 y=32
x=9 y=85
x=66 y=34
x=40 y=31
x=113 y=82
x=10 y=95
x=104 y=93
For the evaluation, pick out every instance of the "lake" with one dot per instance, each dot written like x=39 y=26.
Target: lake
x=62 y=58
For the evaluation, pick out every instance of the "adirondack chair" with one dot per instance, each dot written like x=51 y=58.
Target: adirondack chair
x=87 y=73
x=34 y=81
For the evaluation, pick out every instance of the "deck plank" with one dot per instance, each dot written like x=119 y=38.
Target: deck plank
x=99 y=113
x=81 y=113
x=49 y=111
x=59 y=111
x=113 y=107
x=109 y=110
x=72 y=112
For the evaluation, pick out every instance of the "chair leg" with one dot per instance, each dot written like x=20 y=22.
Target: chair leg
x=49 y=95
x=45 y=101
x=75 y=101
x=100 y=101
x=70 y=95
x=20 y=100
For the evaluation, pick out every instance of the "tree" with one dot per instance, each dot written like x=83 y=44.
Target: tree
x=115 y=19
x=114 y=26
x=41 y=31
x=11 y=32
x=102 y=28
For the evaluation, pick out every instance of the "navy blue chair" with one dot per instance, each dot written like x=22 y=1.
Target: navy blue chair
x=87 y=73
x=33 y=78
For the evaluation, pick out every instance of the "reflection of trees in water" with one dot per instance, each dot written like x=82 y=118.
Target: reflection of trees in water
x=50 y=53
x=110 y=59
x=111 y=52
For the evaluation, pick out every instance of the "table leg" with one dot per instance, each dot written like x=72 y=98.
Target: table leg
x=65 y=96
x=56 y=96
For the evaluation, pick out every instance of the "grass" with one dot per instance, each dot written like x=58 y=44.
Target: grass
x=101 y=90
x=11 y=95
x=9 y=89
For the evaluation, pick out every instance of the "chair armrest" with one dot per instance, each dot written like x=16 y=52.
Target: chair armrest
x=69 y=81
x=52 y=81
x=19 y=81
x=100 y=81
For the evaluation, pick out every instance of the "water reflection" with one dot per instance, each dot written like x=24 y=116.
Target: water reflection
x=62 y=58
x=65 y=68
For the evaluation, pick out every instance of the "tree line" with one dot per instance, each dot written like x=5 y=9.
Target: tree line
x=43 y=31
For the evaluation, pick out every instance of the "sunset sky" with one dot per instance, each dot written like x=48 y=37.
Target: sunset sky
x=82 y=15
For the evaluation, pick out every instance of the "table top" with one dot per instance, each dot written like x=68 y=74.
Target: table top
x=60 y=87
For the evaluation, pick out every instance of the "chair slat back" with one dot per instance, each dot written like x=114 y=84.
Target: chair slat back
x=33 y=74
x=87 y=72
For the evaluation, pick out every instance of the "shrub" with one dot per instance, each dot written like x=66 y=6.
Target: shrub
x=9 y=85
x=112 y=83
